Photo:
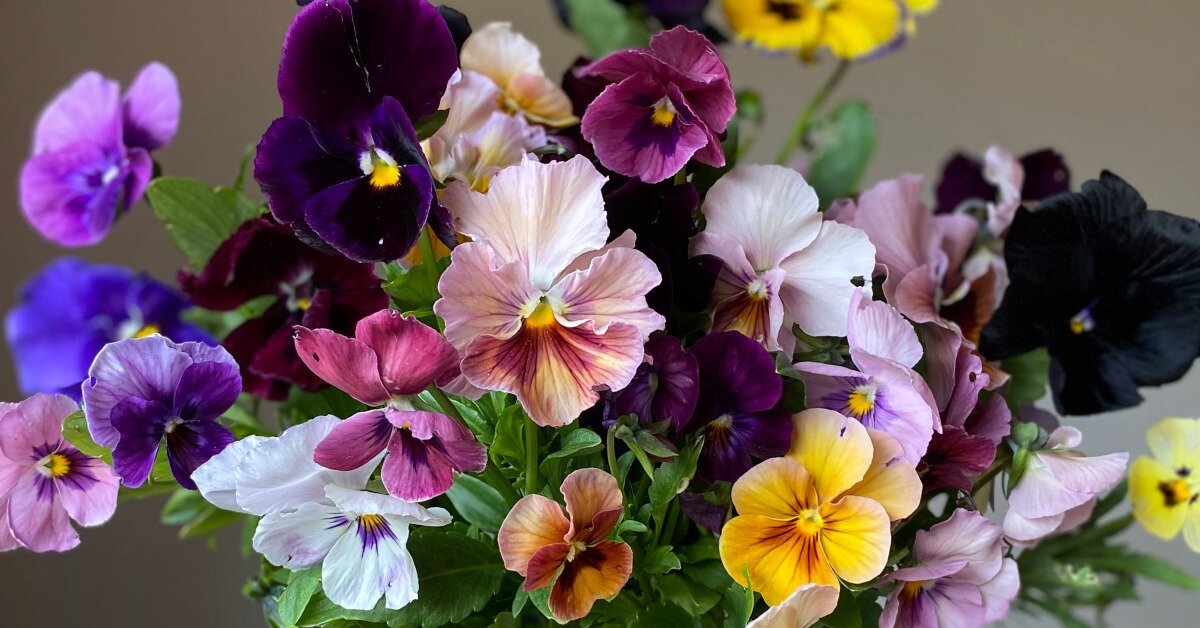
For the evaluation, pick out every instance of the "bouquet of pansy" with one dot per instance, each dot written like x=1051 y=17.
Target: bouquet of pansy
x=496 y=350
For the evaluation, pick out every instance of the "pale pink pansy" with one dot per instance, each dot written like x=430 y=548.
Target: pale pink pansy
x=514 y=64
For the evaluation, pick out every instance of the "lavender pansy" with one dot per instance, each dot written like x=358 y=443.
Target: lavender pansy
x=666 y=105
x=390 y=359
x=45 y=482
x=91 y=153
x=71 y=308
x=738 y=411
x=143 y=391
x=884 y=393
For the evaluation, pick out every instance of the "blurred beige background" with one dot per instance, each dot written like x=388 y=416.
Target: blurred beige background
x=1111 y=83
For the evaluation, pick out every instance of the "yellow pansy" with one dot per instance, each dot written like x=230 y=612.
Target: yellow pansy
x=1165 y=489
x=823 y=512
x=915 y=8
x=849 y=28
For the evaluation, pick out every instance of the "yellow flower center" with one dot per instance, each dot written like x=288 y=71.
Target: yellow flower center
x=663 y=114
x=575 y=549
x=303 y=303
x=542 y=317
x=146 y=330
x=54 y=465
x=810 y=521
x=382 y=170
x=1082 y=323
x=912 y=589
x=1174 y=492
x=861 y=401
x=370 y=523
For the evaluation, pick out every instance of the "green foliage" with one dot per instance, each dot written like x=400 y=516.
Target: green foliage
x=844 y=142
x=606 y=26
x=578 y=443
x=196 y=517
x=672 y=478
x=478 y=503
x=302 y=586
x=219 y=324
x=75 y=430
x=661 y=560
x=198 y=217
x=458 y=576
x=1030 y=377
x=302 y=406
x=414 y=291
x=427 y=126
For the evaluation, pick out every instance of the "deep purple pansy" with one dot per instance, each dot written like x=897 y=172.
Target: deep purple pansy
x=91 y=153
x=71 y=308
x=311 y=288
x=666 y=105
x=665 y=387
x=965 y=178
x=738 y=412
x=343 y=165
x=143 y=391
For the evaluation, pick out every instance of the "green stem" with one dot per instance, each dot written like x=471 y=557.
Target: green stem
x=494 y=477
x=610 y=444
x=796 y=137
x=532 y=481
x=999 y=465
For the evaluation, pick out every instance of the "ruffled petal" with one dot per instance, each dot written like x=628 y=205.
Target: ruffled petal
x=32 y=425
x=594 y=504
x=147 y=368
x=37 y=517
x=876 y=328
x=369 y=562
x=300 y=538
x=803 y=608
x=836 y=450
x=482 y=295
x=347 y=363
x=779 y=488
x=354 y=442
x=598 y=572
x=855 y=537
x=217 y=479
x=612 y=289
x=818 y=284
x=533 y=523
x=411 y=354
x=778 y=555
x=890 y=480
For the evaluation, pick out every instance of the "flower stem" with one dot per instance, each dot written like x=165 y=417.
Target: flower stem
x=610 y=445
x=491 y=472
x=532 y=481
x=796 y=137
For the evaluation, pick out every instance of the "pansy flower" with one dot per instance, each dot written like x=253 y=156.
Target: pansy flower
x=572 y=554
x=666 y=105
x=390 y=359
x=885 y=393
x=141 y=392
x=71 y=308
x=1058 y=484
x=343 y=165
x=850 y=29
x=514 y=65
x=738 y=411
x=822 y=513
x=45 y=482
x=311 y=288
x=1000 y=183
x=784 y=265
x=665 y=387
x=961 y=577
x=315 y=516
x=91 y=153
x=1107 y=286
x=1165 y=489
x=536 y=304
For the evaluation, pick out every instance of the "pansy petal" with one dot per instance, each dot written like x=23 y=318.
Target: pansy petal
x=545 y=565
x=1146 y=475
x=207 y=389
x=151 y=108
x=1176 y=442
x=855 y=538
x=778 y=555
x=966 y=536
x=416 y=470
x=33 y=424
x=37 y=517
x=501 y=54
x=141 y=425
x=836 y=450
x=999 y=592
x=878 y=329
x=300 y=538
x=354 y=442
x=481 y=295
x=819 y=286
x=594 y=503
x=597 y=573
x=891 y=480
x=89 y=490
x=71 y=195
x=533 y=523
x=368 y=223
x=347 y=363
x=217 y=479
x=412 y=355
x=146 y=368
x=803 y=608
x=364 y=563
x=1086 y=474
x=778 y=488
x=612 y=289
x=88 y=109
x=191 y=444
x=295 y=161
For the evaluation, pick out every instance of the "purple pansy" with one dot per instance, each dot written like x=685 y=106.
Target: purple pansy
x=666 y=105
x=44 y=481
x=343 y=165
x=91 y=153
x=142 y=391
x=665 y=387
x=738 y=412
x=71 y=308
x=966 y=178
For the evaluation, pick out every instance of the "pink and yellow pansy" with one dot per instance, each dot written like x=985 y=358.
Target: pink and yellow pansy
x=823 y=512
x=572 y=555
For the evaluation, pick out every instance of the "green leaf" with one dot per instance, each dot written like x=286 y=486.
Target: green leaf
x=659 y=615
x=510 y=434
x=578 y=443
x=631 y=526
x=844 y=142
x=75 y=430
x=209 y=522
x=301 y=588
x=652 y=445
x=198 y=217
x=739 y=606
x=458 y=577
x=183 y=506
x=302 y=406
x=606 y=26
x=689 y=595
x=846 y=614
x=1125 y=561
x=541 y=601
x=477 y=502
x=672 y=478
x=427 y=126
x=661 y=560
x=1114 y=498
x=414 y=291
x=1030 y=377
x=322 y=612
x=244 y=423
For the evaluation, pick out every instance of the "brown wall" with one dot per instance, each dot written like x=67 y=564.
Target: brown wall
x=1111 y=83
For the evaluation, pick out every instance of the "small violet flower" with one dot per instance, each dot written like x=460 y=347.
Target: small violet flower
x=1058 y=488
x=142 y=391
x=666 y=105
x=784 y=265
x=343 y=165
x=44 y=481
x=885 y=392
x=961 y=578
x=571 y=554
x=665 y=387
x=390 y=359
x=91 y=153
x=71 y=308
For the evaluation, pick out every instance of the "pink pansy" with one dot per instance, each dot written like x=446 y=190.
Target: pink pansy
x=803 y=608
x=45 y=482
x=961 y=577
x=924 y=256
x=1057 y=486
x=1002 y=170
x=784 y=266
x=391 y=358
x=885 y=393
x=536 y=303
